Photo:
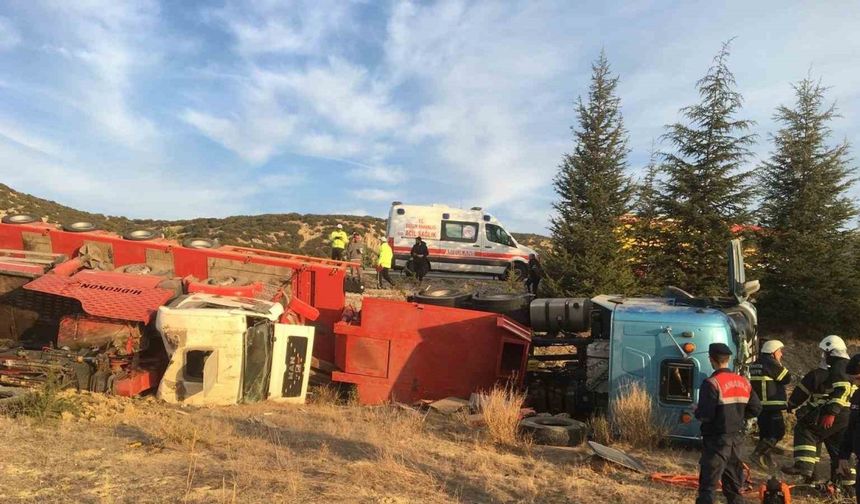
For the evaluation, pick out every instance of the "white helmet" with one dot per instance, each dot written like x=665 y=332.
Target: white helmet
x=771 y=346
x=340 y=226
x=834 y=345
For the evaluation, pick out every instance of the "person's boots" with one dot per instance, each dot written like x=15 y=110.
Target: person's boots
x=760 y=455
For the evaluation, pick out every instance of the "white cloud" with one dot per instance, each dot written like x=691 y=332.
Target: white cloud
x=113 y=41
x=9 y=35
x=16 y=133
x=384 y=174
x=372 y=194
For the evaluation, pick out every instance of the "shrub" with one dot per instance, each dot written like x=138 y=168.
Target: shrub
x=501 y=412
x=634 y=418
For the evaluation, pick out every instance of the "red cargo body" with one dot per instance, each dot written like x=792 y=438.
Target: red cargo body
x=407 y=351
x=315 y=281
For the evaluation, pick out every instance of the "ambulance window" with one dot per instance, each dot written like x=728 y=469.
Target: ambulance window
x=460 y=231
x=496 y=234
x=195 y=360
x=676 y=381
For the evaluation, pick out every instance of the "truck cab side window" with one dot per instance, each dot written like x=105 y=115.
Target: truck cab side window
x=195 y=361
x=497 y=234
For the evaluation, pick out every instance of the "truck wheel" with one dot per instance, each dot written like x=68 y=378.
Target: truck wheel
x=500 y=303
x=19 y=219
x=554 y=431
x=79 y=227
x=141 y=235
x=204 y=243
x=443 y=297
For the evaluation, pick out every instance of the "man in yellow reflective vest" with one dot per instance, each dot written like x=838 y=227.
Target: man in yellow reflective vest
x=384 y=263
x=768 y=378
x=338 y=239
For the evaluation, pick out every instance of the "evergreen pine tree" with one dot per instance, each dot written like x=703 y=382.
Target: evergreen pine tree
x=594 y=193
x=706 y=192
x=809 y=258
x=646 y=233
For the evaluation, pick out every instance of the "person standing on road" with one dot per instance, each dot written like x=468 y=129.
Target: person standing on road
x=769 y=378
x=726 y=401
x=338 y=241
x=420 y=261
x=384 y=263
x=851 y=438
x=534 y=274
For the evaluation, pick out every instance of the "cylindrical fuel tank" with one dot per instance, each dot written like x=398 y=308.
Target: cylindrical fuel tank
x=560 y=314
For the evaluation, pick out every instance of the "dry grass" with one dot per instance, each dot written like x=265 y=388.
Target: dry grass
x=501 y=412
x=601 y=430
x=634 y=418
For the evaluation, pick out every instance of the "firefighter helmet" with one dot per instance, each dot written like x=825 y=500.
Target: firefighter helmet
x=834 y=345
x=771 y=346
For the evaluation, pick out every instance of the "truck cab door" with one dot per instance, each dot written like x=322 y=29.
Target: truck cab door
x=291 y=363
x=743 y=316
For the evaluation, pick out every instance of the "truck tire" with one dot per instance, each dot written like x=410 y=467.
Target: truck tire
x=443 y=297
x=80 y=227
x=19 y=219
x=204 y=243
x=500 y=303
x=141 y=235
x=554 y=431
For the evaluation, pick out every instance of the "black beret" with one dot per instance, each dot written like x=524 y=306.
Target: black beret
x=719 y=349
x=853 y=367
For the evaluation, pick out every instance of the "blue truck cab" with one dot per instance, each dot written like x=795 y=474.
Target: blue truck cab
x=659 y=343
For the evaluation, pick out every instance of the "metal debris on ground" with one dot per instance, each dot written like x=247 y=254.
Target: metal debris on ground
x=617 y=457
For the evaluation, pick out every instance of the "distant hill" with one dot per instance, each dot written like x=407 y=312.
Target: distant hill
x=296 y=233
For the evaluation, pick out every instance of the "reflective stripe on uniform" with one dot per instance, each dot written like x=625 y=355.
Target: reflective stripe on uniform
x=808 y=460
x=774 y=403
x=803 y=388
x=782 y=375
x=804 y=447
x=842 y=400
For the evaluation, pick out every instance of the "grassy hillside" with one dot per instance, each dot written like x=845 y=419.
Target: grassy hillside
x=292 y=232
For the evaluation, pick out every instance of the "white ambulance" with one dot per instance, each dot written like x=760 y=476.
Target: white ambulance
x=461 y=241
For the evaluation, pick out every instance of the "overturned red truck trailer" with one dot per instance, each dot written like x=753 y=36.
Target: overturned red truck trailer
x=87 y=301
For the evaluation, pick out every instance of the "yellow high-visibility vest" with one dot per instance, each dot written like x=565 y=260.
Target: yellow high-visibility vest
x=338 y=239
x=386 y=255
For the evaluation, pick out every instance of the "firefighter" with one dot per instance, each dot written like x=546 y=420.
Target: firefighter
x=824 y=395
x=851 y=437
x=338 y=241
x=383 y=264
x=769 y=378
x=726 y=401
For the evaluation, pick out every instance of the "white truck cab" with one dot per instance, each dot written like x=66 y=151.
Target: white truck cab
x=461 y=241
x=226 y=350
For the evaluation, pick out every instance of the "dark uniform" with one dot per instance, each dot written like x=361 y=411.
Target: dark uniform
x=420 y=261
x=821 y=393
x=726 y=401
x=535 y=273
x=769 y=378
x=851 y=437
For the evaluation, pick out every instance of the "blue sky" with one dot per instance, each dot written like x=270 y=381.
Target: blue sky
x=184 y=109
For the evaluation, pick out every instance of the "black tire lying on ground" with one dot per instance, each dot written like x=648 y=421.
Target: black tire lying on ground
x=80 y=227
x=19 y=219
x=443 y=297
x=554 y=431
x=141 y=235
